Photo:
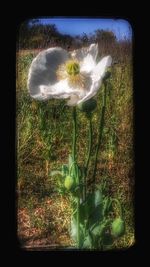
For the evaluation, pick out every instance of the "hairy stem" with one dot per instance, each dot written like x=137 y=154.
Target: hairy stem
x=76 y=173
x=119 y=206
x=90 y=142
x=101 y=126
x=46 y=167
x=74 y=134
x=88 y=156
x=78 y=213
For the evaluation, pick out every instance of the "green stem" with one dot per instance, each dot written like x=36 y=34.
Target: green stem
x=76 y=173
x=90 y=141
x=119 y=206
x=74 y=134
x=101 y=126
x=89 y=154
x=78 y=213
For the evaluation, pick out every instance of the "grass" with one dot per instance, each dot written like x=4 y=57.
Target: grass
x=43 y=144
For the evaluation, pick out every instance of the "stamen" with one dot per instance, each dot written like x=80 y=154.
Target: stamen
x=77 y=81
x=61 y=72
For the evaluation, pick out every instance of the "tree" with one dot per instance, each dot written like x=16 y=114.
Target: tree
x=106 y=36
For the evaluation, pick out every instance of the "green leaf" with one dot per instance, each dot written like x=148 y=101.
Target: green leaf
x=61 y=191
x=107 y=206
x=93 y=208
x=107 y=240
x=84 y=212
x=65 y=170
x=73 y=230
x=95 y=229
x=70 y=161
x=98 y=198
x=81 y=172
x=83 y=209
x=90 y=202
x=88 y=241
x=82 y=233
x=95 y=215
x=72 y=166
x=98 y=230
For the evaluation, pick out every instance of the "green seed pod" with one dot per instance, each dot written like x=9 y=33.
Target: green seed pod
x=107 y=75
x=69 y=182
x=118 y=227
x=88 y=106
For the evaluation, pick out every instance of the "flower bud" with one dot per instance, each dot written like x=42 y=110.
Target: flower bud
x=107 y=74
x=69 y=182
x=118 y=227
x=88 y=106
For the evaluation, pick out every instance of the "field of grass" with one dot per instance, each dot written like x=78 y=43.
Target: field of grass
x=44 y=138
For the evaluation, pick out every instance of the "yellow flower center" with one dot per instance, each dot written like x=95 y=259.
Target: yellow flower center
x=72 y=68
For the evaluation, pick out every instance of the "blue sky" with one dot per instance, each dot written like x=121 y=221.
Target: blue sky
x=75 y=26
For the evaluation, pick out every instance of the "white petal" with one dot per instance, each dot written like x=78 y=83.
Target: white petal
x=73 y=100
x=99 y=71
x=58 y=90
x=88 y=64
x=43 y=69
x=93 y=91
x=80 y=54
x=97 y=76
x=89 y=61
x=93 y=50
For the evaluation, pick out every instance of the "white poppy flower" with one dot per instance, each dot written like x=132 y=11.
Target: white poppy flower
x=55 y=73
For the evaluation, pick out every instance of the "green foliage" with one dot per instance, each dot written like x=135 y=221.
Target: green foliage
x=98 y=229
